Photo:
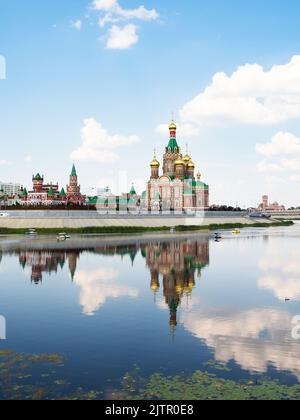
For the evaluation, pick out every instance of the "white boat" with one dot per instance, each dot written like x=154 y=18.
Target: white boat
x=63 y=236
x=31 y=232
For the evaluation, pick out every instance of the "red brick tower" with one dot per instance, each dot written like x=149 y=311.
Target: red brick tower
x=74 y=195
x=38 y=182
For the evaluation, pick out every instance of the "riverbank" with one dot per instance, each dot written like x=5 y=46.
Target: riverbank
x=139 y=229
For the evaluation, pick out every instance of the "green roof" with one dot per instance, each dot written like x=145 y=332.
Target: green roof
x=73 y=173
x=51 y=192
x=24 y=193
x=200 y=184
x=93 y=200
x=173 y=144
x=101 y=200
x=144 y=195
x=62 y=193
x=38 y=176
x=132 y=191
x=188 y=192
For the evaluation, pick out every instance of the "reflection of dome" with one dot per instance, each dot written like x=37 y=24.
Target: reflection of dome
x=164 y=271
x=154 y=286
x=191 y=284
x=179 y=288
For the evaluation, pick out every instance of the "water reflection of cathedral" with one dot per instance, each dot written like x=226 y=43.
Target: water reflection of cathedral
x=178 y=264
x=174 y=265
x=48 y=261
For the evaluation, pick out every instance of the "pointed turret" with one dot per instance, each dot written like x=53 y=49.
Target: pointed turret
x=172 y=141
x=74 y=173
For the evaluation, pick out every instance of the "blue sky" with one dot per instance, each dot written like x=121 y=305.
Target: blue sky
x=101 y=94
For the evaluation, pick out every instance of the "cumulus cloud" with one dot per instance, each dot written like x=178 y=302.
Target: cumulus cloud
x=251 y=95
x=97 y=144
x=122 y=38
x=281 y=144
x=111 y=12
x=99 y=285
x=282 y=154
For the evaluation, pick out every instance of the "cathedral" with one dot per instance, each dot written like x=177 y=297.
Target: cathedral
x=177 y=188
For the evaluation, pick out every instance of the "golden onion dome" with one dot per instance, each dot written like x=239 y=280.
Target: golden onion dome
x=187 y=158
x=199 y=175
x=155 y=163
x=191 y=165
x=179 y=162
x=173 y=126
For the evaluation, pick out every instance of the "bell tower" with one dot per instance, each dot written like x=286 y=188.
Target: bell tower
x=172 y=153
x=154 y=167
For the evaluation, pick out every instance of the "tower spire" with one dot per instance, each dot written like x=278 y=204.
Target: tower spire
x=73 y=173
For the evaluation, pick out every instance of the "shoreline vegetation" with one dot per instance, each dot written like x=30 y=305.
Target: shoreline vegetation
x=136 y=230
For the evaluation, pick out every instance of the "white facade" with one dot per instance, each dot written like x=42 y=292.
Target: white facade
x=10 y=189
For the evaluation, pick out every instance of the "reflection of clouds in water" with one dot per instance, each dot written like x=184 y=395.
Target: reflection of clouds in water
x=97 y=286
x=187 y=303
x=254 y=338
x=161 y=304
x=281 y=272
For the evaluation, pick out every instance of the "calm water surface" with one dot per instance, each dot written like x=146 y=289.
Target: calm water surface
x=167 y=304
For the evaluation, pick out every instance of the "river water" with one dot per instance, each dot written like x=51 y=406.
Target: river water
x=168 y=304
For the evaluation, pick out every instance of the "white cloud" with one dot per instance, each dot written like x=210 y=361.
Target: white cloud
x=97 y=143
x=104 y=4
x=281 y=144
x=122 y=38
x=77 y=24
x=282 y=154
x=113 y=12
x=250 y=95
